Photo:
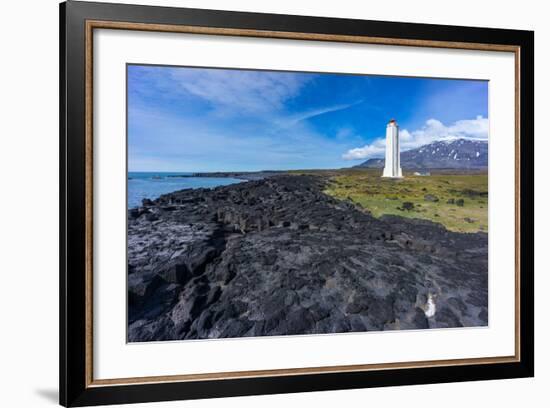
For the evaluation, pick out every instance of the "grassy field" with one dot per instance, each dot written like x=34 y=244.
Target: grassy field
x=458 y=201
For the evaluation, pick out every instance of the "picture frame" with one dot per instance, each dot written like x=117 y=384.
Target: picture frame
x=78 y=23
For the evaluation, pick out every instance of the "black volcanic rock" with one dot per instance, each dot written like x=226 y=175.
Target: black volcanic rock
x=278 y=256
x=456 y=154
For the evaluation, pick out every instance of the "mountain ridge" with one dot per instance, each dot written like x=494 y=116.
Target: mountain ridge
x=443 y=154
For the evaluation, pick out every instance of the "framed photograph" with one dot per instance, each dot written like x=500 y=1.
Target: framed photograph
x=256 y=204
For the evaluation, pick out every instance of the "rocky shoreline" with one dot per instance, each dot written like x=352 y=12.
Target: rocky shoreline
x=277 y=256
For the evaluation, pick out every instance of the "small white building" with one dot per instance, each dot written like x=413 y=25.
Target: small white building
x=392 y=168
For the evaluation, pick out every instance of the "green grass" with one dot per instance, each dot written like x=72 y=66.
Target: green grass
x=386 y=196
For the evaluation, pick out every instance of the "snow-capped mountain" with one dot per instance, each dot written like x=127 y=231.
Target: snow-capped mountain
x=448 y=154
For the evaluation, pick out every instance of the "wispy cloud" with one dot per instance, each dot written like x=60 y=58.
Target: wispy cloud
x=296 y=118
x=241 y=92
x=238 y=90
x=432 y=131
x=264 y=94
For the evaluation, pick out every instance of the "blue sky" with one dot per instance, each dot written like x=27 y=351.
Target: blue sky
x=196 y=119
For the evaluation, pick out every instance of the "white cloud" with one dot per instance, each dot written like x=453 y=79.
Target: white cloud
x=377 y=148
x=237 y=90
x=432 y=131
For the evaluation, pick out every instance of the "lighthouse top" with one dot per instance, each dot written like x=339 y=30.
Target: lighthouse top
x=392 y=122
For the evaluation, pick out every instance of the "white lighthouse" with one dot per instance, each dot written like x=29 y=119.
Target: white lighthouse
x=393 y=162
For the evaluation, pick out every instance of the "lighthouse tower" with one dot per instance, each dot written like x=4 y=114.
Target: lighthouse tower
x=393 y=162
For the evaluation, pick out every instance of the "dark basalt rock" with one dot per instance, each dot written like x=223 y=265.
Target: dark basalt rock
x=278 y=256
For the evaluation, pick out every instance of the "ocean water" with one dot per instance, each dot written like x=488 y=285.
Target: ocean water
x=152 y=185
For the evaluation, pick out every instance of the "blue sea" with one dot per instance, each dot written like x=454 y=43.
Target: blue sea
x=152 y=185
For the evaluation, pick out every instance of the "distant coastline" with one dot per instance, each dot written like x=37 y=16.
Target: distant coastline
x=243 y=175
